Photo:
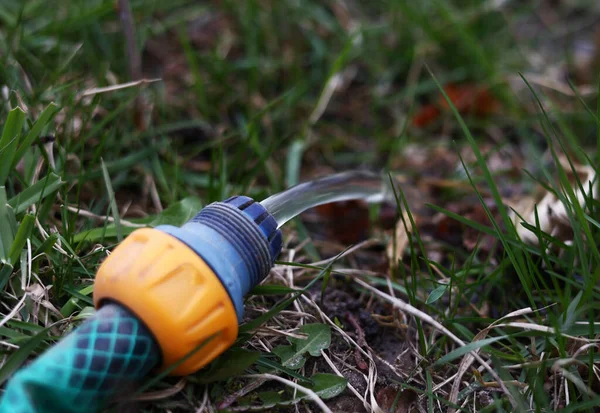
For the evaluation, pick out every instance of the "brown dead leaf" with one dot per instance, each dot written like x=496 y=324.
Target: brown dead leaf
x=586 y=60
x=551 y=212
x=473 y=238
x=205 y=32
x=387 y=216
x=397 y=245
x=446 y=229
x=467 y=98
x=346 y=222
x=392 y=400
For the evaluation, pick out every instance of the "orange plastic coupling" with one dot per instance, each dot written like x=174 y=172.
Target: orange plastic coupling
x=175 y=293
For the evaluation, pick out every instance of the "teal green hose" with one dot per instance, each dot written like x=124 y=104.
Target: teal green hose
x=106 y=355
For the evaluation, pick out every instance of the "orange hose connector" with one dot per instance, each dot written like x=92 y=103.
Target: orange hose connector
x=174 y=293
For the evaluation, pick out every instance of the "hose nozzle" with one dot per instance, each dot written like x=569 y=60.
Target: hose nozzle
x=187 y=283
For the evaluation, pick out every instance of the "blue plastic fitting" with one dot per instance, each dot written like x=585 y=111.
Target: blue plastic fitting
x=238 y=239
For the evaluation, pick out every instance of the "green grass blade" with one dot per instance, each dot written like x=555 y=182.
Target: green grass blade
x=5 y=272
x=73 y=303
x=461 y=351
x=19 y=357
x=6 y=227
x=113 y=202
x=35 y=192
x=23 y=233
x=9 y=141
x=294 y=161
x=46 y=116
x=164 y=373
x=515 y=254
x=598 y=128
x=271 y=364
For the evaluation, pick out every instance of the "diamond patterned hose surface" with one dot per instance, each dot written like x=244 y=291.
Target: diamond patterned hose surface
x=105 y=356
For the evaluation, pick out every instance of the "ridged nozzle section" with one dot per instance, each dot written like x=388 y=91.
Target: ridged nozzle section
x=250 y=229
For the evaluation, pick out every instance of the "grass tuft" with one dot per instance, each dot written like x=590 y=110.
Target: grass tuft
x=475 y=288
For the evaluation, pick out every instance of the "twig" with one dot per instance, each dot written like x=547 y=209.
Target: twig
x=311 y=394
x=364 y=244
x=337 y=371
x=229 y=400
x=88 y=214
x=162 y=394
x=97 y=90
x=142 y=109
x=134 y=58
x=205 y=406
x=14 y=311
x=360 y=362
x=331 y=86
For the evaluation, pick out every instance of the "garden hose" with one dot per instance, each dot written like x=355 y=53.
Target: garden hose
x=109 y=351
x=169 y=299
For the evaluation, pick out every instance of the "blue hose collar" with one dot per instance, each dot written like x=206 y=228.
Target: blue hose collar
x=238 y=239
